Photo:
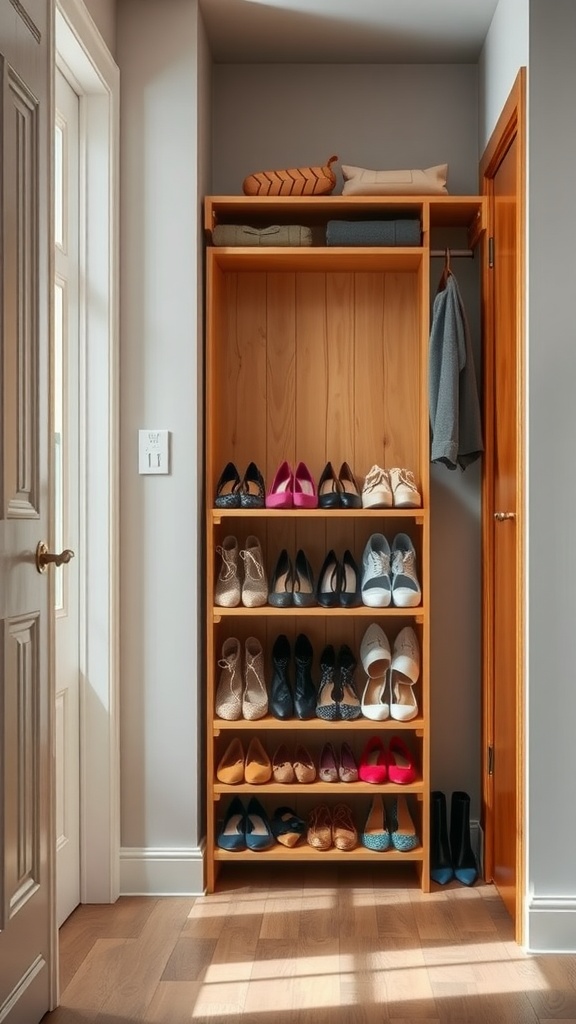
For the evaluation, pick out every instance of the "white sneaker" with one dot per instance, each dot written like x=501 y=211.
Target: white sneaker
x=377 y=492
x=406 y=591
x=404 y=490
x=376 y=584
x=404 y=673
x=375 y=656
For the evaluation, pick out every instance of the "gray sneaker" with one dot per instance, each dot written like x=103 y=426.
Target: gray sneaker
x=376 y=585
x=406 y=592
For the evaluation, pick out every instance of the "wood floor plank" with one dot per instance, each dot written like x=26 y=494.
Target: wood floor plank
x=307 y=948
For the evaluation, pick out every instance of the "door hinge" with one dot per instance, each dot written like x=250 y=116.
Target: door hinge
x=490 y=760
x=491 y=251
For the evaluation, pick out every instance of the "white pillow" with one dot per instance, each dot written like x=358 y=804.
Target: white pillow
x=361 y=182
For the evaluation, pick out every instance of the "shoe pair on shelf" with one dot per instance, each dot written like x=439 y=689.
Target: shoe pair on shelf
x=341 y=767
x=452 y=857
x=230 y=590
x=332 y=827
x=241 y=694
x=286 y=701
x=337 y=696
x=250 y=827
x=235 y=767
x=339 y=582
x=292 y=489
x=389 y=573
x=391 y=675
x=292 y=583
x=390 y=488
x=300 y=768
x=233 y=491
x=395 y=764
x=395 y=828
x=338 y=491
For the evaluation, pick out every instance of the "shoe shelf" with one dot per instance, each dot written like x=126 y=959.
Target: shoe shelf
x=269 y=724
x=317 y=354
x=301 y=853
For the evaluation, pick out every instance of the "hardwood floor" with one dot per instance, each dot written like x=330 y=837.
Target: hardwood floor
x=316 y=945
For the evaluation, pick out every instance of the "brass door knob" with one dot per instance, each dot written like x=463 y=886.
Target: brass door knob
x=44 y=558
x=500 y=516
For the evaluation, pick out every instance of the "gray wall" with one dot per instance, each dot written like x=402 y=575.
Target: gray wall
x=103 y=14
x=162 y=174
x=269 y=116
x=552 y=475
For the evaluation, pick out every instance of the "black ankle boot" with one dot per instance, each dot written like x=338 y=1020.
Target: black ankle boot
x=304 y=689
x=280 y=700
x=463 y=858
x=441 y=869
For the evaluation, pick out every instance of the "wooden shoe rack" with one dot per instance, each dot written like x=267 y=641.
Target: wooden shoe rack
x=319 y=353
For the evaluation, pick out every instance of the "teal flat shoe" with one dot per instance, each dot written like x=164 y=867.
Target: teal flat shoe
x=232 y=832
x=258 y=829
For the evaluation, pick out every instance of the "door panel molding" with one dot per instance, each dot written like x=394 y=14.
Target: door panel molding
x=85 y=61
x=510 y=128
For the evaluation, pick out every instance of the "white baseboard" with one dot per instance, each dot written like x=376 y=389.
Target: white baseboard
x=551 y=924
x=145 y=871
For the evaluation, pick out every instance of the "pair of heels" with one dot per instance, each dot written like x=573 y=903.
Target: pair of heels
x=292 y=584
x=287 y=770
x=285 y=701
x=241 y=694
x=235 y=767
x=292 y=489
x=337 y=768
x=252 y=590
x=391 y=675
x=396 y=764
x=338 y=491
x=339 y=582
x=337 y=696
x=245 y=827
x=334 y=827
x=233 y=491
x=380 y=831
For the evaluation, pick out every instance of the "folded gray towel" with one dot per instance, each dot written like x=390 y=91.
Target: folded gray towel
x=275 y=234
x=373 y=232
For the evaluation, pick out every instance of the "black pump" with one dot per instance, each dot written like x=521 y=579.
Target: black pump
x=304 y=689
x=281 y=702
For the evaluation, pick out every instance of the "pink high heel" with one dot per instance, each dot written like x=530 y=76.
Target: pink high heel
x=280 y=494
x=305 y=495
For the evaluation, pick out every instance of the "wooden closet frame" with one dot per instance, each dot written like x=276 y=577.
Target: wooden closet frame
x=319 y=353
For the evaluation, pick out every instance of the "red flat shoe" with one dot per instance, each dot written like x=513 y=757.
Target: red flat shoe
x=373 y=762
x=305 y=495
x=401 y=767
x=280 y=494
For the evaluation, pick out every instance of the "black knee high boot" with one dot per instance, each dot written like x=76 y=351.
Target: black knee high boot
x=463 y=857
x=441 y=869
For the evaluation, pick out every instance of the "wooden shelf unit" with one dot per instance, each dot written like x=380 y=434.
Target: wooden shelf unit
x=319 y=354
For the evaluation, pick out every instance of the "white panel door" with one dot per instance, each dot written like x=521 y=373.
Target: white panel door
x=27 y=934
x=66 y=494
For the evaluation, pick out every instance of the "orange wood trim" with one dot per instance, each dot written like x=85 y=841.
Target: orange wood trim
x=511 y=124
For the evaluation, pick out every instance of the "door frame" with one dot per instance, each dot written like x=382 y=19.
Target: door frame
x=510 y=125
x=85 y=61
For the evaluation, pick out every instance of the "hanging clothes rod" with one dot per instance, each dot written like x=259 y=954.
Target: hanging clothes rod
x=463 y=253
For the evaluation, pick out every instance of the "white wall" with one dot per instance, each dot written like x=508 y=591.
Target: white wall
x=505 y=51
x=268 y=116
x=552 y=476
x=160 y=52
x=103 y=13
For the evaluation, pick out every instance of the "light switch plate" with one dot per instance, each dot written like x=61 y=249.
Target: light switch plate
x=153 y=451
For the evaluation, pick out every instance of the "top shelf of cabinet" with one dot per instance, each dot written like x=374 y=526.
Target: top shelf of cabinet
x=434 y=211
